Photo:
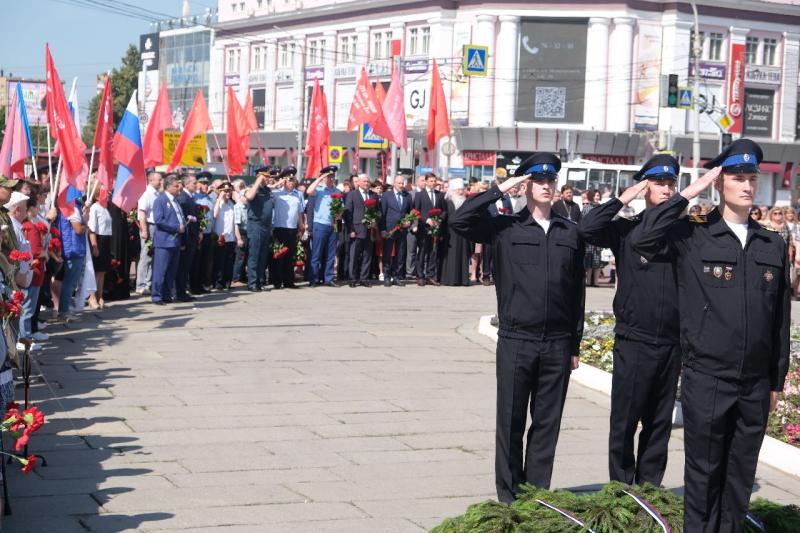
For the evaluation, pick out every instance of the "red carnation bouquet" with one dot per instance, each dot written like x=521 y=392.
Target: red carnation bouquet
x=299 y=255
x=42 y=227
x=405 y=221
x=337 y=208
x=435 y=215
x=55 y=245
x=204 y=219
x=54 y=231
x=279 y=249
x=22 y=424
x=115 y=263
x=17 y=256
x=371 y=213
x=221 y=240
x=11 y=308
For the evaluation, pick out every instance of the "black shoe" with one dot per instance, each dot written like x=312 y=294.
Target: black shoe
x=254 y=289
x=352 y=284
x=186 y=298
x=331 y=284
x=364 y=284
x=159 y=302
x=168 y=300
x=201 y=291
x=292 y=286
x=387 y=283
x=396 y=282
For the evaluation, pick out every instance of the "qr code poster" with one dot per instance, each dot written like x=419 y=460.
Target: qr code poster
x=550 y=103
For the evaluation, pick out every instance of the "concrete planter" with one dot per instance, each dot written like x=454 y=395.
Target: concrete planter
x=774 y=453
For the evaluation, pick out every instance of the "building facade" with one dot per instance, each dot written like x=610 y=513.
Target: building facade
x=580 y=76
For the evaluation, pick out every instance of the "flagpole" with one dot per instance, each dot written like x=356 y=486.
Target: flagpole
x=216 y=141
x=53 y=192
x=89 y=179
x=49 y=158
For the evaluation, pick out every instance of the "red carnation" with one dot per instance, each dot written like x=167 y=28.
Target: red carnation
x=337 y=195
x=416 y=213
x=221 y=240
x=369 y=203
x=29 y=463
x=55 y=232
x=13 y=255
x=55 y=245
x=435 y=212
x=202 y=208
x=132 y=237
x=42 y=227
x=18 y=297
x=504 y=210
x=396 y=228
x=24 y=256
x=34 y=418
x=299 y=263
x=12 y=405
x=115 y=263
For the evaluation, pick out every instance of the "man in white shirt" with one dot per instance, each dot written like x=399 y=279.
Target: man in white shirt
x=287 y=223
x=144 y=271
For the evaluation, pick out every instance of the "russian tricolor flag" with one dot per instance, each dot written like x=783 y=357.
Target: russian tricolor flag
x=131 y=180
x=17 y=145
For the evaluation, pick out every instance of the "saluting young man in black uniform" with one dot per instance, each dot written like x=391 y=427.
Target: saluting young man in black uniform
x=733 y=288
x=647 y=359
x=540 y=299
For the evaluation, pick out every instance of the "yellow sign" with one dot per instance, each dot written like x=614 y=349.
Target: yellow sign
x=368 y=139
x=195 y=153
x=335 y=154
x=725 y=122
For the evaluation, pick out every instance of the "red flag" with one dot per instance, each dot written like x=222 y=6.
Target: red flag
x=160 y=120
x=438 y=124
x=380 y=127
x=69 y=145
x=394 y=111
x=365 y=106
x=237 y=132
x=318 y=132
x=252 y=123
x=103 y=141
x=198 y=122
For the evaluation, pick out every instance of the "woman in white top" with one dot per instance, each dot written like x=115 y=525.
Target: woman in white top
x=224 y=228
x=100 y=241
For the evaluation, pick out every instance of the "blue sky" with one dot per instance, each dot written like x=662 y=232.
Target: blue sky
x=84 y=41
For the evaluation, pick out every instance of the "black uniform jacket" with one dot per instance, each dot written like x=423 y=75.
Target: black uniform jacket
x=646 y=302
x=538 y=278
x=734 y=303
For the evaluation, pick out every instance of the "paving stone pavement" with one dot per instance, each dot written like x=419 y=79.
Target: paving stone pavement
x=346 y=410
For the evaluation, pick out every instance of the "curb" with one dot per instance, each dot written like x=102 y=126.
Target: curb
x=775 y=453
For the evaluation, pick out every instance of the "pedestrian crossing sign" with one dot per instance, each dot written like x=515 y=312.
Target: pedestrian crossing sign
x=475 y=60
x=368 y=139
x=685 y=98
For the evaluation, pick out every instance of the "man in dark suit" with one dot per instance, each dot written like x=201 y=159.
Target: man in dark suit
x=360 y=242
x=395 y=204
x=425 y=200
x=566 y=207
x=167 y=240
x=189 y=249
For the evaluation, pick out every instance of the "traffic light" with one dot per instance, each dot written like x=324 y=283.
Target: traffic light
x=672 y=91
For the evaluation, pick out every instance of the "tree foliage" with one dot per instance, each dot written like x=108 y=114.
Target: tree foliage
x=124 y=81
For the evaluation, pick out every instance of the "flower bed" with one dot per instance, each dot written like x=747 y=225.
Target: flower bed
x=611 y=509
x=784 y=424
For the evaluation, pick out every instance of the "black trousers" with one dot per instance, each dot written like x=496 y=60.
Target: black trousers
x=360 y=258
x=240 y=264
x=427 y=260
x=224 y=256
x=343 y=256
x=185 y=264
x=283 y=275
x=201 y=270
x=394 y=266
x=724 y=425
x=487 y=259
x=536 y=374
x=644 y=384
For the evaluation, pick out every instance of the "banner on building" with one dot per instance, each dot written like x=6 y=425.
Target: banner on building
x=474 y=158
x=33 y=94
x=647 y=76
x=259 y=107
x=195 y=153
x=759 y=112
x=552 y=70
x=735 y=101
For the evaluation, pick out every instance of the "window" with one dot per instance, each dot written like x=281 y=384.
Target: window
x=260 y=3
x=241 y=6
x=381 y=45
x=316 y=49
x=257 y=58
x=285 y=55
x=426 y=41
x=751 y=50
x=768 y=56
x=715 y=46
x=413 y=41
x=347 y=48
x=234 y=56
x=692 y=44
x=233 y=7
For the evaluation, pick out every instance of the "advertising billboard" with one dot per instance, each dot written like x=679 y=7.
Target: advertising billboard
x=552 y=70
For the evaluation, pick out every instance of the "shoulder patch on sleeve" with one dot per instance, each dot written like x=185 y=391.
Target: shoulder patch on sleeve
x=697 y=219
